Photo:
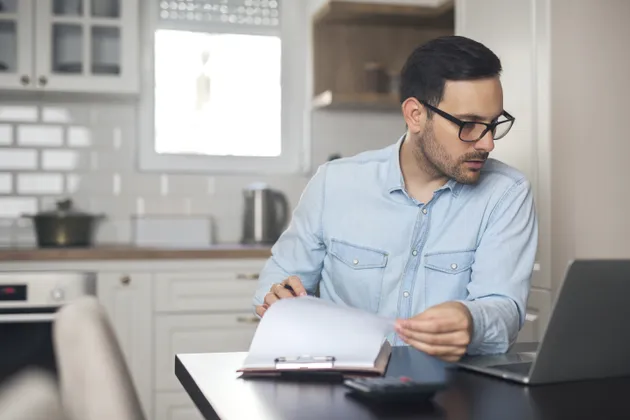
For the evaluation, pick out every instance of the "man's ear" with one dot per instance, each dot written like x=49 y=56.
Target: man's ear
x=414 y=115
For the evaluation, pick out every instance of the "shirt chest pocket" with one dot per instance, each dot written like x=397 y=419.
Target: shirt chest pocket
x=357 y=273
x=447 y=275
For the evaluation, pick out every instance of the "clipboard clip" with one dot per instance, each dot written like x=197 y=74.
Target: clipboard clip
x=305 y=362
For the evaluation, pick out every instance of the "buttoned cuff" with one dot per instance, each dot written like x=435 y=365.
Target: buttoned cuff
x=479 y=324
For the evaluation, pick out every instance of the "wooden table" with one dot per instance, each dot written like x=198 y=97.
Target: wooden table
x=214 y=385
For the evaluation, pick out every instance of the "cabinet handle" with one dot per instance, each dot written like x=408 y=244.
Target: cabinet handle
x=43 y=80
x=25 y=80
x=248 y=319
x=125 y=280
x=242 y=276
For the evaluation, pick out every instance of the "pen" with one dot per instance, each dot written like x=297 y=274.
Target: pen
x=290 y=289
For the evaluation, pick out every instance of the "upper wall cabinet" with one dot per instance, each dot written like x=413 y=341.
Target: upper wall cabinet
x=360 y=46
x=69 y=45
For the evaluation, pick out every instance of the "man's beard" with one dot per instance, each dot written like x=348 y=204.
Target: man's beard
x=435 y=161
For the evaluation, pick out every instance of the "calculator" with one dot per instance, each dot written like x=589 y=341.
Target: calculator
x=392 y=388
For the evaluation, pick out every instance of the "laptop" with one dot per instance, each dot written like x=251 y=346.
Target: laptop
x=587 y=336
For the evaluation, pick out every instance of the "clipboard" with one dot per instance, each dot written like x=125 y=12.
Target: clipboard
x=319 y=365
x=309 y=335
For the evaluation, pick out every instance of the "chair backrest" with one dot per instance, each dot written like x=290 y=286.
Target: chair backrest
x=94 y=377
x=31 y=395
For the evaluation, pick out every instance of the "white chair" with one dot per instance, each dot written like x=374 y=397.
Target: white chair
x=95 y=383
x=31 y=395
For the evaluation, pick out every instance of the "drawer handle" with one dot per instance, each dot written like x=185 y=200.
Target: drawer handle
x=248 y=319
x=125 y=280
x=242 y=276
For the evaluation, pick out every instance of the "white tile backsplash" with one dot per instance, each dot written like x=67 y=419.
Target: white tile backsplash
x=6 y=183
x=18 y=113
x=56 y=115
x=79 y=137
x=16 y=206
x=88 y=152
x=34 y=135
x=62 y=160
x=6 y=134
x=17 y=159
x=40 y=183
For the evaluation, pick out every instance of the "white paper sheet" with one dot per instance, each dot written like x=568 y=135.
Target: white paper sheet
x=310 y=326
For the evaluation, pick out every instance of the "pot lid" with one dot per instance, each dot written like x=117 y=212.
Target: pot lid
x=63 y=208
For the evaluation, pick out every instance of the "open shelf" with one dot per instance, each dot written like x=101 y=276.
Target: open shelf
x=352 y=38
x=339 y=11
x=365 y=101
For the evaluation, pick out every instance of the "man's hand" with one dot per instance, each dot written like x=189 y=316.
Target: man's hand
x=279 y=291
x=443 y=330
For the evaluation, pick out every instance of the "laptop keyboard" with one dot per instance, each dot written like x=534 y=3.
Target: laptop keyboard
x=520 y=368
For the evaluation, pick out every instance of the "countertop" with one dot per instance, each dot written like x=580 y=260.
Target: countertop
x=130 y=252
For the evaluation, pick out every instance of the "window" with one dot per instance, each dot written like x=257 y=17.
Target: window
x=225 y=88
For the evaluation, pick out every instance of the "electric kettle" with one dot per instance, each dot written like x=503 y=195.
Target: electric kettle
x=265 y=214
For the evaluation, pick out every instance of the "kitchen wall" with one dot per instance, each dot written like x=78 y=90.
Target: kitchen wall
x=87 y=150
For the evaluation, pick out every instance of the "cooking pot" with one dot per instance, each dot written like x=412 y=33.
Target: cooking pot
x=64 y=227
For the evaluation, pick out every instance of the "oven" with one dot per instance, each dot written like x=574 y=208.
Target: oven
x=28 y=302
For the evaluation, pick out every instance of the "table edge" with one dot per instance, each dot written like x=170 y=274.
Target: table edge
x=193 y=391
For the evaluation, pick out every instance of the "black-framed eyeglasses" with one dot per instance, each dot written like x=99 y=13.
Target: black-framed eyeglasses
x=471 y=131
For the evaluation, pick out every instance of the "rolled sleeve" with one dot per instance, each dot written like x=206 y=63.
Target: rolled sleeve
x=300 y=250
x=501 y=273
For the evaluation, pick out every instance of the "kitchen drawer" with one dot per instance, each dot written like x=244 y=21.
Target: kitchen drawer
x=197 y=334
x=175 y=406
x=220 y=289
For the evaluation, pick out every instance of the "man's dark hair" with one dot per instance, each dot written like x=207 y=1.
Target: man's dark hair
x=445 y=58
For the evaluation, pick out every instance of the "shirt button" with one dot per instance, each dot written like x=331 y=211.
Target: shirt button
x=424 y=211
x=355 y=261
x=406 y=294
x=454 y=266
x=414 y=253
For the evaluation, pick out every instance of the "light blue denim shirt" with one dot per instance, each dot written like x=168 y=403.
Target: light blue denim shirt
x=358 y=234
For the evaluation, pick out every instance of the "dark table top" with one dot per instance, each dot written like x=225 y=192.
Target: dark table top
x=214 y=385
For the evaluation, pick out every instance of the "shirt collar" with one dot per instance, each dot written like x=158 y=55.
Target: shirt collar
x=395 y=180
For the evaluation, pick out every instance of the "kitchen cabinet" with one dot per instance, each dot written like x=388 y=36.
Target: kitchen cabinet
x=70 y=46
x=127 y=299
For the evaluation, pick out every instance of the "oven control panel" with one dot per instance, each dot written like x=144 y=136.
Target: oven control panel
x=44 y=289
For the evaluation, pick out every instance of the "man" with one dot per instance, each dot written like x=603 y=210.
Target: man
x=428 y=230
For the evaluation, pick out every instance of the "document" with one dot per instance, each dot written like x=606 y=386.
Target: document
x=311 y=333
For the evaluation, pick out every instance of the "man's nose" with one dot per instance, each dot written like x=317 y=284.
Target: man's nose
x=486 y=143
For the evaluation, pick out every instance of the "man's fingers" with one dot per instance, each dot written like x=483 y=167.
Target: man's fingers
x=450 y=353
x=296 y=285
x=456 y=338
x=260 y=310
x=270 y=298
x=281 y=292
x=434 y=326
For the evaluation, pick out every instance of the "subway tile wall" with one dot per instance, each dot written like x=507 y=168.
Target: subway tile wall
x=87 y=152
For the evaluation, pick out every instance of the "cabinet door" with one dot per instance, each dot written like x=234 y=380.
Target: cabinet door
x=175 y=406
x=209 y=333
x=87 y=45
x=16 y=44
x=127 y=298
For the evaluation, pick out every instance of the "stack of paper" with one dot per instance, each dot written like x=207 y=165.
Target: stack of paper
x=310 y=333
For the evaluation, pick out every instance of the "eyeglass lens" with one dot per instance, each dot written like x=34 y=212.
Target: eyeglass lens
x=474 y=131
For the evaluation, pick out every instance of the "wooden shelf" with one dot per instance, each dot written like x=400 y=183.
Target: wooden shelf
x=352 y=36
x=339 y=11
x=356 y=101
